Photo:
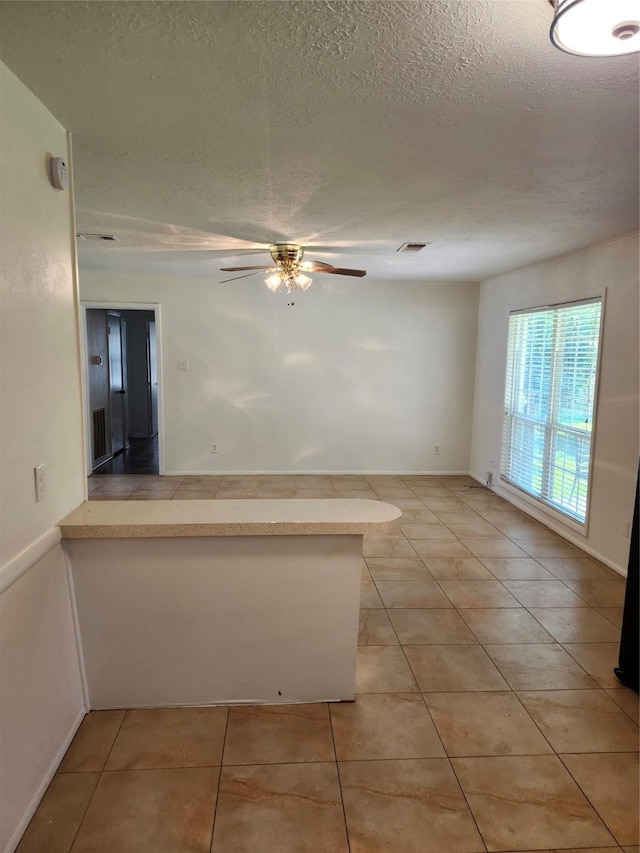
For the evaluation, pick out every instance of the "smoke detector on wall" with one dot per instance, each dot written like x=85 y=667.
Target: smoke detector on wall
x=59 y=173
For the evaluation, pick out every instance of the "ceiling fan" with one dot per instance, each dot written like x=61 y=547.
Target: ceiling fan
x=289 y=270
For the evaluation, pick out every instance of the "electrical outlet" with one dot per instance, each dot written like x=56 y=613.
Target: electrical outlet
x=183 y=366
x=436 y=449
x=489 y=478
x=626 y=529
x=41 y=482
x=214 y=448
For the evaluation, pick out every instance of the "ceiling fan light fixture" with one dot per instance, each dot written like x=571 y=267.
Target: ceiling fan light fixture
x=596 y=27
x=291 y=280
x=273 y=282
x=303 y=281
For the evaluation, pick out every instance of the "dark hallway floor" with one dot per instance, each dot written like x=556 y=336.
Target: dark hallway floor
x=140 y=458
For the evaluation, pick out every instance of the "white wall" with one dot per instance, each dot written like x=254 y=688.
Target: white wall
x=42 y=701
x=41 y=411
x=360 y=375
x=613 y=265
x=40 y=685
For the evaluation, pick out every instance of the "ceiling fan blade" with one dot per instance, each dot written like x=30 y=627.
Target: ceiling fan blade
x=248 y=275
x=341 y=271
x=315 y=266
x=239 y=269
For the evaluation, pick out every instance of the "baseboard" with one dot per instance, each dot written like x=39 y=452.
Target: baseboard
x=341 y=473
x=547 y=521
x=42 y=787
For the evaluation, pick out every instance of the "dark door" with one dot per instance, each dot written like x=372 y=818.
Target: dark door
x=117 y=382
x=98 y=376
x=152 y=360
x=141 y=373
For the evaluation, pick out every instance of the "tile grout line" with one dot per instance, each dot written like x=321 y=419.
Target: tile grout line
x=526 y=609
x=585 y=795
x=98 y=780
x=127 y=711
x=456 y=610
x=84 y=813
x=468 y=804
x=224 y=744
x=337 y=763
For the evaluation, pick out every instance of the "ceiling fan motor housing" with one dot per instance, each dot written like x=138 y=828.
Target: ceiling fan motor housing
x=287 y=255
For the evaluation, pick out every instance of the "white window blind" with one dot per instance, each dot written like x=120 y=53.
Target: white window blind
x=552 y=365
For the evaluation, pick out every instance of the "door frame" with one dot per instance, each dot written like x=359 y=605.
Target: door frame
x=86 y=304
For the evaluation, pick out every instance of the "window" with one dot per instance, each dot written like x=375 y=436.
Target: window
x=552 y=362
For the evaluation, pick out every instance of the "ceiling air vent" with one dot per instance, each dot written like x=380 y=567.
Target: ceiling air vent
x=97 y=237
x=412 y=247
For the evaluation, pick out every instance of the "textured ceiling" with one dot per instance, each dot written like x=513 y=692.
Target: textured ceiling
x=203 y=129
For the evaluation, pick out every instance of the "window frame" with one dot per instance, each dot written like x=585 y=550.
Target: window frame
x=518 y=493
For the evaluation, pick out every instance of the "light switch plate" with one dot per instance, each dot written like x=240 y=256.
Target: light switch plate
x=41 y=482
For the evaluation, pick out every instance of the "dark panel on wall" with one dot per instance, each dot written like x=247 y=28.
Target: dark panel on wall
x=629 y=661
x=98 y=379
x=139 y=369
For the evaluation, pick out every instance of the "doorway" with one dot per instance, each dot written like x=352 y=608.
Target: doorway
x=122 y=389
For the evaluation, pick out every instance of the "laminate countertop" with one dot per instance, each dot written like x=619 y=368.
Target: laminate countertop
x=174 y=519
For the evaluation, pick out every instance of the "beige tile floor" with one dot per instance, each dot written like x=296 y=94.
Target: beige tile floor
x=487 y=716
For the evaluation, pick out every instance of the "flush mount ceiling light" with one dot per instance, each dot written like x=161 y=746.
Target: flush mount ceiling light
x=596 y=27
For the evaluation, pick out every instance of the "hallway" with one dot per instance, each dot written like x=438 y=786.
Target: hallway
x=140 y=458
